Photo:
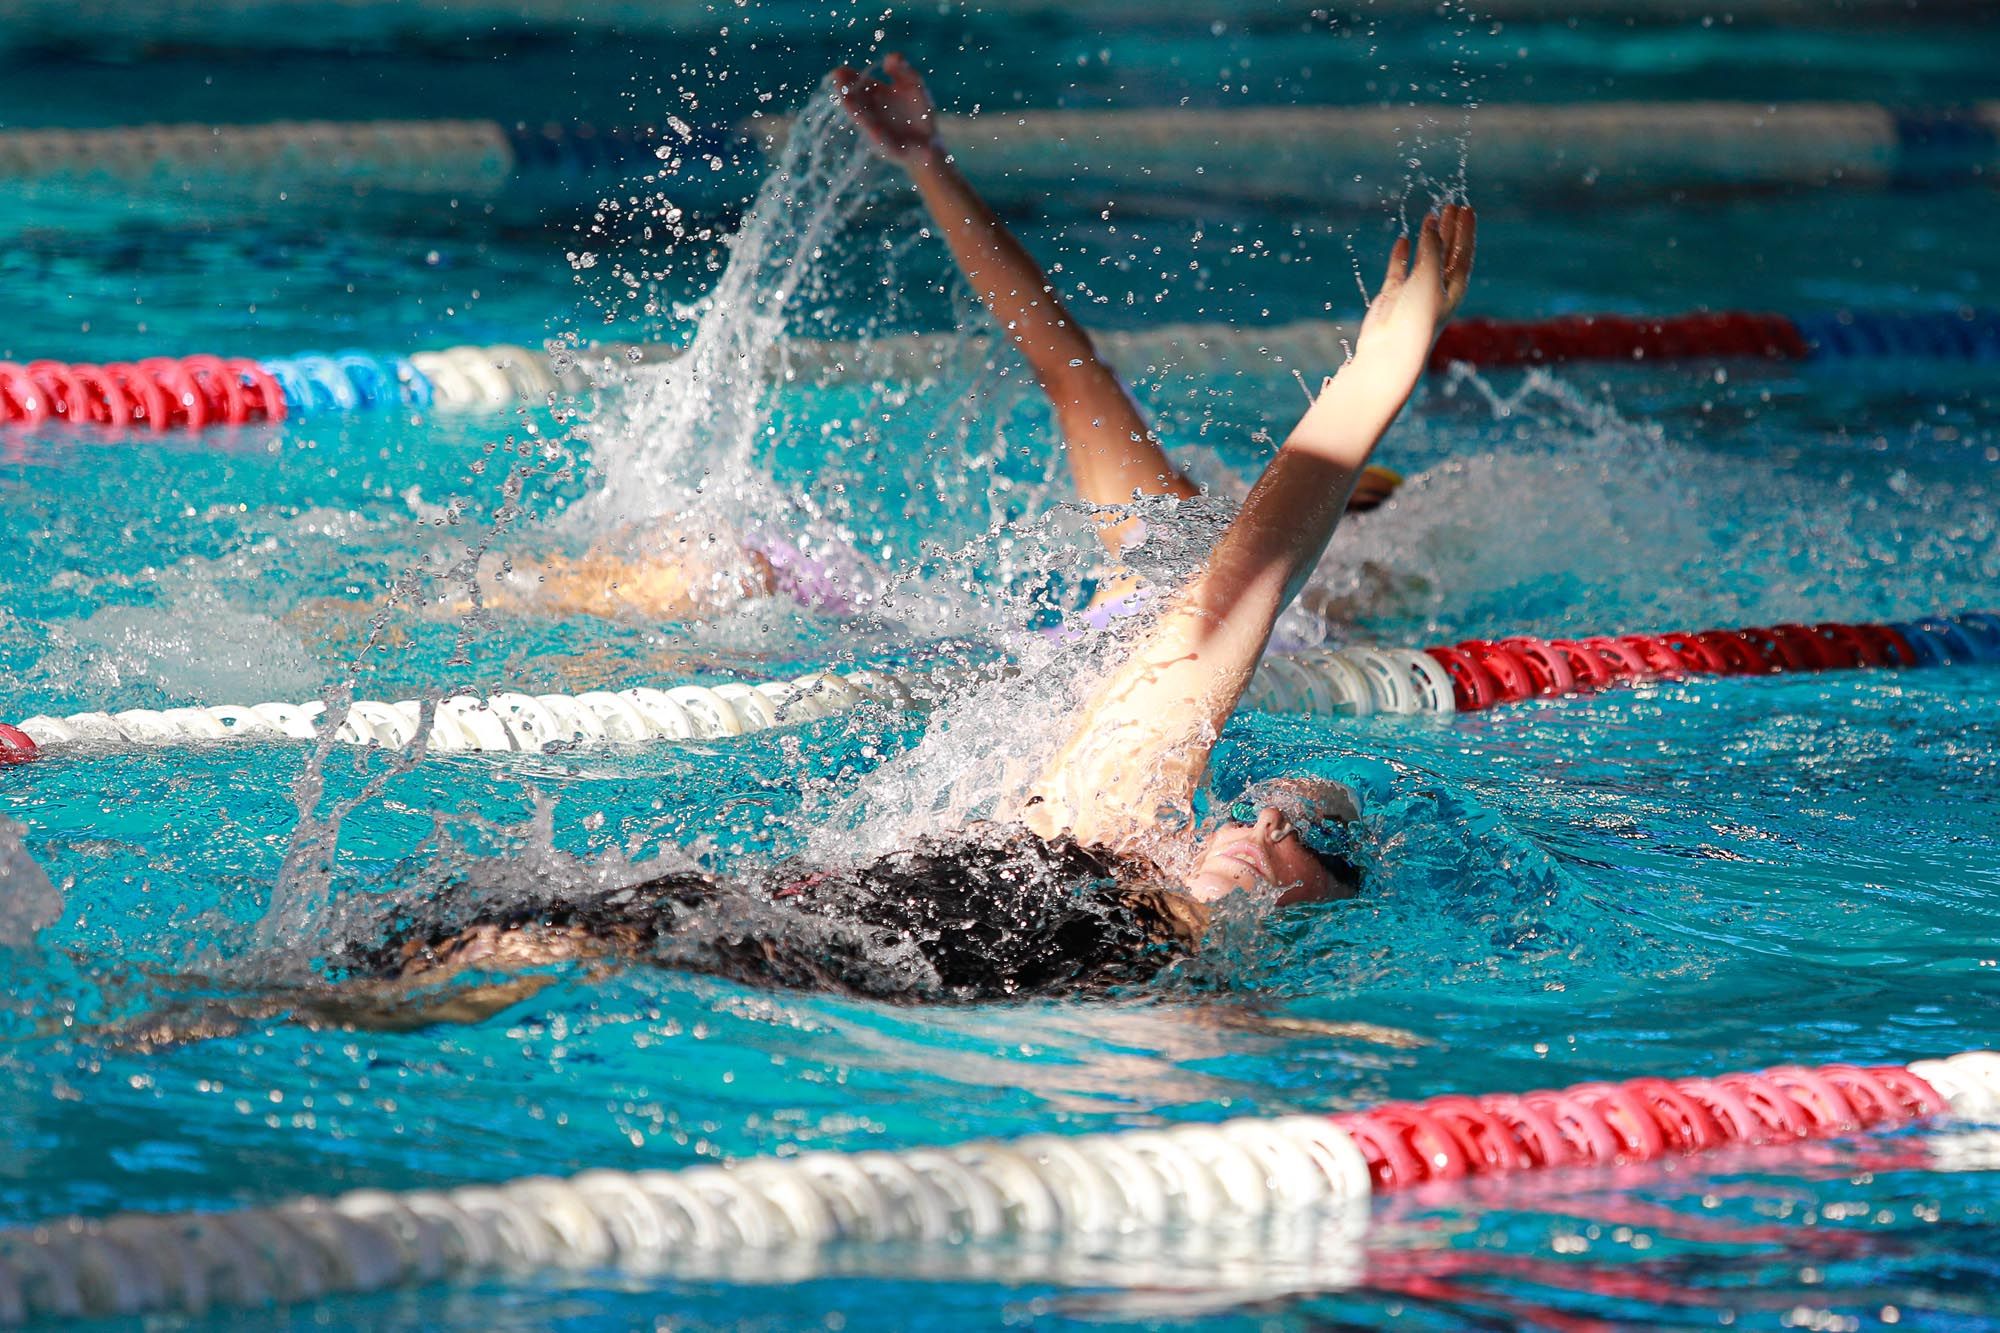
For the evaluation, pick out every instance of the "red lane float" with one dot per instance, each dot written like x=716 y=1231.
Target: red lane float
x=16 y=746
x=1731 y=334
x=1587 y=666
x=159 y=393
x=1641 y=1120
x=1519 y=667
x=1472 y=687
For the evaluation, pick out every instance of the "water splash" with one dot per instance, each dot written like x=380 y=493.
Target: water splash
x=290 y=927
x=997 y=732
x=675 y=459
x=1578 y=518
x=676 y=451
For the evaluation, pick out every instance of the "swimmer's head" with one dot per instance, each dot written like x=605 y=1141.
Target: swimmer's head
x=1283 y=841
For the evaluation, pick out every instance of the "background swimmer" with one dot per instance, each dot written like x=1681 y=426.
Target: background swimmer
x=668 y=574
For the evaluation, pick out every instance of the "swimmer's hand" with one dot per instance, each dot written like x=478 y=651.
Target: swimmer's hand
x=896 y=113
x=1415 y=301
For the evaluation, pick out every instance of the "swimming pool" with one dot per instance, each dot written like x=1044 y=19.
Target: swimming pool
x=1687 y=877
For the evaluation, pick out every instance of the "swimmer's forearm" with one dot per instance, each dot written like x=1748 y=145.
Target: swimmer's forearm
x=1290 y=515
x=1002 y=272
x=1354 y=409
x=1112 y=451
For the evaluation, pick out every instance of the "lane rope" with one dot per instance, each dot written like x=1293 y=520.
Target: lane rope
x=257 y=25
x=1350 y=682
x=1286 y=151
x=1311 y=152
x=1478 y=674
x=509 y=721
x=1078 y=1190
x=193 y=392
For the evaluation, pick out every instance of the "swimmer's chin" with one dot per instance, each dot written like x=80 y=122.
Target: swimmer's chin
x=1211 y=888
x=1215 y=890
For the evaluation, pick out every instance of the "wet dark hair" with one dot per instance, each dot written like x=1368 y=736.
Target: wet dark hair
x=993 y=912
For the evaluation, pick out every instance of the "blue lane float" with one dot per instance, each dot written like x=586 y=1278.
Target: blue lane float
x=194 y=392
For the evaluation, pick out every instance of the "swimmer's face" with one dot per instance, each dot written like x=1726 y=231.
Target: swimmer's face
x=1265 y=857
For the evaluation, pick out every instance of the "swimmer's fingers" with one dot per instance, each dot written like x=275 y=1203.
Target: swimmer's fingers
x=1428 y=271
x=1402 y=321
x=1399 y=271
x=862 y=100
x=847 y=90
x=896 y=113
x=1461 y=236
x=851 y=87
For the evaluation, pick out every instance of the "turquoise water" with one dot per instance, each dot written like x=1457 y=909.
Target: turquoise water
x=1686 y=878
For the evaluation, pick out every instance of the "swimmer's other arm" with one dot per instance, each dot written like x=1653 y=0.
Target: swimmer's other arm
x=1142 y=746
x=1112 y=450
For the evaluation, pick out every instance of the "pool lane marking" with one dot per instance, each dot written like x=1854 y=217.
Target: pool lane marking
x=1193 y=1191
x=1351 y=682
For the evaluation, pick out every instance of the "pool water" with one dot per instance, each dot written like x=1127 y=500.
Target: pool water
x=1689 y=877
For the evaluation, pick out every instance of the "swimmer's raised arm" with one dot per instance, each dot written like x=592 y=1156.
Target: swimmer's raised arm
x=1142 y=746
x=1112 y=449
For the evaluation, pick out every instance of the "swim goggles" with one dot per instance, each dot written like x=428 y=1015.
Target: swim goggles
x=1318 y=811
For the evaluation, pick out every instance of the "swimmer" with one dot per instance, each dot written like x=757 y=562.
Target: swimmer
x=1100 y=874
x=1113 y=452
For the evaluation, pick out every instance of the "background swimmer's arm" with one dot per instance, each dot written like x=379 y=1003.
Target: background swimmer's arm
x=1112 y=449
x=1142 y=746
x=368 y=1006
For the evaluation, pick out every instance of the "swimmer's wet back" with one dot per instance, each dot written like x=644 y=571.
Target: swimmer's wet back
x=992 y=913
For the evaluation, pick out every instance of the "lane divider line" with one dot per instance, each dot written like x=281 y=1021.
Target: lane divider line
x=1066 y=1191
x=1287 y=151
x=1353 y=682
x=194 y=392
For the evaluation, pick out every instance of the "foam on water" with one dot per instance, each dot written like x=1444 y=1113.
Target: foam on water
x=191 y=643
x=1575 y=518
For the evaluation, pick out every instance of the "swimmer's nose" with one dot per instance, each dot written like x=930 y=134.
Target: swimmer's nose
x=1271 y=822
